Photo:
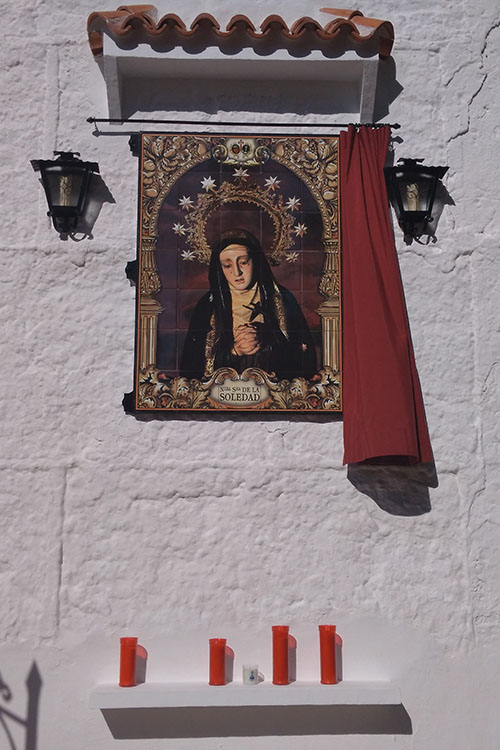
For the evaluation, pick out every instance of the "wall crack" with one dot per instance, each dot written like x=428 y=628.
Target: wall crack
x=476 y=93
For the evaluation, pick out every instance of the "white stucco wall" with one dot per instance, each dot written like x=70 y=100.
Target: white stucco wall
x=183 y=529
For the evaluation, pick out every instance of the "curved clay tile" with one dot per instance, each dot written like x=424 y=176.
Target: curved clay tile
x=348 y=28
x=372 y=23
x=384 y=29
x=96 y=43
x=361 y=20
x=203 y=19
x=275 y=20
x=171 y=21
x=302 y=25
x=354 y=14
x=240 y=20
x=96 y=22
x=207 y=19
x=340 y=25
x=310 y=24
x=137 y=8
x=128 y=18
x=120 y=21
x=272 y=20
x=343 y=12
x=385 y=44
x=137 y=21
x=102 y=17
x=305 y=23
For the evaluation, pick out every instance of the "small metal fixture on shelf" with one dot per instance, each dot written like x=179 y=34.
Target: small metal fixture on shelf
x=66 y=182
x=412 y=190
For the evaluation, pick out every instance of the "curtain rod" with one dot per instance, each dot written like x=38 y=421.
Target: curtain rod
x=395 y=125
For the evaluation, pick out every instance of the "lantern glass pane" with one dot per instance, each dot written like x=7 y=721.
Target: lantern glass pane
x=64 y=188
x=415 y=191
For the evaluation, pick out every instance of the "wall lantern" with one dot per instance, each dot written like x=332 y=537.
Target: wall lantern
x=412 y=189
x=66 y=182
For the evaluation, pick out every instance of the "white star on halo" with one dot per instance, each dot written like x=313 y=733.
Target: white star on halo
x=188 y=255
x=272 y=183
x=208 y=183
x=293 y=203
x=300 y=230
x=291 y=257
x=179 y=228
x=241 y=174
x=185 y=202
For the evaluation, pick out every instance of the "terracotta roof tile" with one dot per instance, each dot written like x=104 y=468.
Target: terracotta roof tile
x=384 y=29
x=129 y=18
x=240 y=20
x=171 y=21
x=305 y=23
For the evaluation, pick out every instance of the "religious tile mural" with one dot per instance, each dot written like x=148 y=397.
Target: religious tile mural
x=238 y=294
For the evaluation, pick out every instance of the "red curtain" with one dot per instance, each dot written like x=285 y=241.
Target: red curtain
x=384 y=417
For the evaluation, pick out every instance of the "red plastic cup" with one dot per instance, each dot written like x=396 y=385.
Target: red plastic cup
x=128 y=655
x=217 y=674
x=280 y=655
x=327 y=654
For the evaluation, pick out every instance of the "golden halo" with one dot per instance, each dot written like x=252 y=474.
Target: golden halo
x=197 y=218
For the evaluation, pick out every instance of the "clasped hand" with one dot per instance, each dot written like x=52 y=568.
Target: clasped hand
x=246 y=340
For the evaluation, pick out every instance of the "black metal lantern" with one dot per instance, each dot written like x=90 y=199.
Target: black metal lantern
x=66 y=182
x=412 y=189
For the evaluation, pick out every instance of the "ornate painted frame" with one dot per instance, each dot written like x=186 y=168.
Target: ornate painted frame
x=164 y=160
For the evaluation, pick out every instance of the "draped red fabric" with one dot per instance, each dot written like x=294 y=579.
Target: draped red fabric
x=384 y=415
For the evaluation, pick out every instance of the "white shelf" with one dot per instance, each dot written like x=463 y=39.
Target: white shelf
x=183 y=695
x=349 y=79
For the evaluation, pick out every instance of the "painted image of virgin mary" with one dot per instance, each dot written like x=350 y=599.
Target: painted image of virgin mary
x=246 y=319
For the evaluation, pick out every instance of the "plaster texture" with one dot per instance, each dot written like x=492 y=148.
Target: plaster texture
x=183 y=529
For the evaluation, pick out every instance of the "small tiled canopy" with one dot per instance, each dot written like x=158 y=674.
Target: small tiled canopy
x=129 y=19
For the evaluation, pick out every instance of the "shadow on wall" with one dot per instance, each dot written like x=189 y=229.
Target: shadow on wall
x=98 y=195
x=442 y=199
x=273 y=97
x=398 y=490
x=388 y=88
x=30 y=722
x=256 y=721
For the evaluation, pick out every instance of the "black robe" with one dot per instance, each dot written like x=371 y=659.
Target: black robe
x=288 y=356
